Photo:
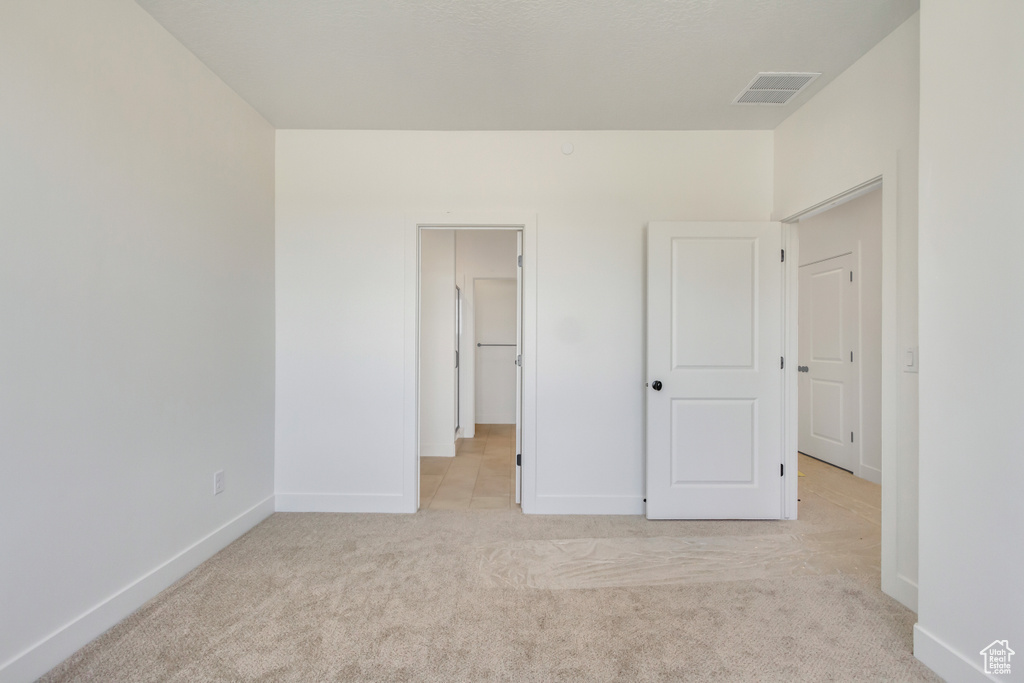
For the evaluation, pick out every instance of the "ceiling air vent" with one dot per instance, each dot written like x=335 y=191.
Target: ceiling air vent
x=774 y=88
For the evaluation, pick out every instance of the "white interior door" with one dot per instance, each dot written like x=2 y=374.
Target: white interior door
x=715 y=382
x=829 y=385
x=437 y=344
x=519 y=368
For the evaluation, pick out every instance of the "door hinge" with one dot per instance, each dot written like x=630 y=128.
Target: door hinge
x=782 y=363
x=519 y=361
x=520 y=261
x=851 y=276
x=851 y=437
x=519 y=459
x=456 y=359
x=851 y=356
x=782 y=470
x=783 y=255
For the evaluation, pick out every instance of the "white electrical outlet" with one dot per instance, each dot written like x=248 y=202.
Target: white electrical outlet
x=218 y=482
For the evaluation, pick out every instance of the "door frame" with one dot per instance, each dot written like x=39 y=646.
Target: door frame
x=458 y=360
x=468 y=220
x=894 y=583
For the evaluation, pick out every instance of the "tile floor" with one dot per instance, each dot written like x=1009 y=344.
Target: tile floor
x=479 y=477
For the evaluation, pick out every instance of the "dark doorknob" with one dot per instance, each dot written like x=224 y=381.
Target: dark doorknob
x=656 y=385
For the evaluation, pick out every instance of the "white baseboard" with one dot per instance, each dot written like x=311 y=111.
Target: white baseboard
x=64 y=642
x=872 y=474
x=495 y=420
x=437 y=450
x=947 y=662
x=902 y=589
x=343 y=502
x=588 y=505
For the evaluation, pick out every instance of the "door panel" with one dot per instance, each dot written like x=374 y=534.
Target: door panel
x=725 y=336
x=714 y=342
x=713 y=441
x=826 y=300
x=829 y=339
x=827 y=410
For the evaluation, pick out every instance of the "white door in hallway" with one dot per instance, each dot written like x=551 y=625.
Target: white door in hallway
x=715 y=382
x=828 y=385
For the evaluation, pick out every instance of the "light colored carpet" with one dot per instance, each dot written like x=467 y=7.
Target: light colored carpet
x=497 y=595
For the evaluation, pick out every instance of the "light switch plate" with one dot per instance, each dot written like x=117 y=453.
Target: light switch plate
x=911 y=359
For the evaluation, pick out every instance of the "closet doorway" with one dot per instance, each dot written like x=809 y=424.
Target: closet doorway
x=470 y=368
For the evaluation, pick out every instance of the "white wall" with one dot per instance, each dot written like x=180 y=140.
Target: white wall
x=494 y=304
x=345 y=203
x=478 y=254
x=865 y=124
x=136 y=292
x=437 y=343
x=972 y=326
x=856 y=226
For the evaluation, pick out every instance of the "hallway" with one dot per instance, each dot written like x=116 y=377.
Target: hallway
x=479 y=477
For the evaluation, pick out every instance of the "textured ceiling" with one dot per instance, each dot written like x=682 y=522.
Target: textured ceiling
x=521 y=64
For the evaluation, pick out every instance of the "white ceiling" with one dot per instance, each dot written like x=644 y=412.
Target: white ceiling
x=522 y=64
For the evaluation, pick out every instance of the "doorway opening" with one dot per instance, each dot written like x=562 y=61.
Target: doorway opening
x=470 y=368
x=897 y=403
x=839 y=371
x=839 y=379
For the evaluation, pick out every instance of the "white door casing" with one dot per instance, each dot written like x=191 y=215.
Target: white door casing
x=898 y=418
x=526 y=224
x=519 y=368
x=715 y=343
x=458 y=355
x=829 y=382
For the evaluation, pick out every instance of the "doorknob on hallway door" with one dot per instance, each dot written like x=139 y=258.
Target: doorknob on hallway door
x=656 y=385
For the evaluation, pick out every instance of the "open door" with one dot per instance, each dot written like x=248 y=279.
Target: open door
x=829 y=378
x=715 y=371
x=519 y=368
